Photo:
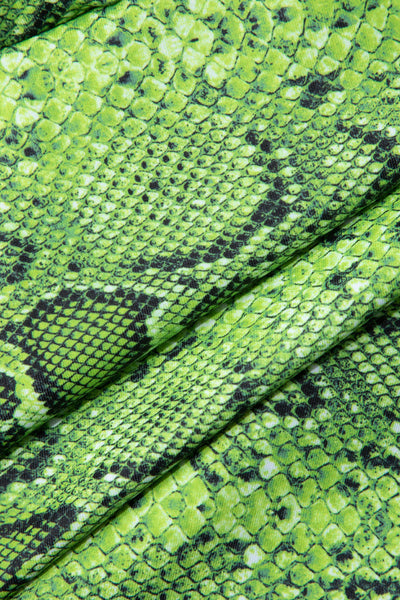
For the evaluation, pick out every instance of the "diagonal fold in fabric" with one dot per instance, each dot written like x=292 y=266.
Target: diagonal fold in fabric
x=83 y=468
x=155 y=159
x=287 y=501
x=198 y=200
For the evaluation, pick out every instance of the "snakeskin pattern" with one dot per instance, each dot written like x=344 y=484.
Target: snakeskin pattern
x=198 y=201
x=155 y=160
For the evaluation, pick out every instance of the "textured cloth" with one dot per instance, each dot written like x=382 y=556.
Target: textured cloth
x=199 y=299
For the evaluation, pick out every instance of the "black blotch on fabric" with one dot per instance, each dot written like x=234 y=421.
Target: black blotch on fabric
x=30 y=151
x=238 y=546
x=368 y=451
x=212 y=477
x=73 y=266
x=379 y=586
x=302 y=411
x=350 y=483
x=271 y=211
x=115 y=40
x=139 y=307
x=341 y=23
x=372 y=137
x=16 y=258
x=283 y=408
x=242 y=368
x=314 y=93
x=249 y=474
x=52 y=523
x=351 y=592
x=335 y=281
x=252 y=138
x=343 y=556
x=7 y=392
x=283 y=14
x=265 y=146
x=282 y=513
x=310 y=390
x=205 y=536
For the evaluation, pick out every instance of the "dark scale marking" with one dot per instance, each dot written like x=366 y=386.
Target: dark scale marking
x=8 y=157
x=372 y=137
x=343 y=556
x=265 y=146
x=351 y=592
x=139 y=307
x=319 y=86
x=213 y=478
x=311 y=391
x=341 y=23
x=238 y=546
x=282 y=513
x=353 y=485
x=335 y=281
x=15 y=260
x=273 y=166
x=7 y=393
x=379 y=586
x=249 y=474
x=73 y=266
x=367 y=452
x=51 y=523
x=303 y=411
x=15 y=136
x=242 y=368
x=29 y=151
x=252 y=138
x=314 y=93
x=129 y=77
x=283 y=14
x=270 y=212
x=387 y=144
x=355 y=132
x=283 y=408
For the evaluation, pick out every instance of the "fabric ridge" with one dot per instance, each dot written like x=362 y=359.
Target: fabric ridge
x=199 y=299
x=145 y=221
x=298 y=497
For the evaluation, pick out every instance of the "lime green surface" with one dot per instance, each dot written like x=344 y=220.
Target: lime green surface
x=137 y=191
x=198 y=201
x=297 y=499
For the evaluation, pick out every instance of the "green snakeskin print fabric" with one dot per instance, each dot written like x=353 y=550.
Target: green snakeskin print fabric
x=199 y=295
x=300 y=498
x=152 y=179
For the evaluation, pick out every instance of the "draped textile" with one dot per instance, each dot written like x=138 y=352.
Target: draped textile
x=199 y=301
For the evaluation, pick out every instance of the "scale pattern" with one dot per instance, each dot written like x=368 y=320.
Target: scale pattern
x=298 y=499
x=85 y=467
x=156 y=158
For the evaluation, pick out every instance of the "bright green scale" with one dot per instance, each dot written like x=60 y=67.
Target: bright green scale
x=157 y=160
